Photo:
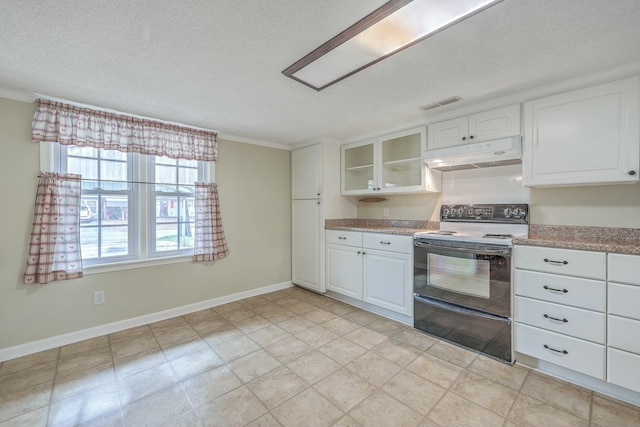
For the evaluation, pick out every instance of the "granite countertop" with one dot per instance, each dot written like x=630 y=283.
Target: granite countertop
x=387 y=226
x=600 y=239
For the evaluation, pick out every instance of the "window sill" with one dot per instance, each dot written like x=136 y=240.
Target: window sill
x=129 y=265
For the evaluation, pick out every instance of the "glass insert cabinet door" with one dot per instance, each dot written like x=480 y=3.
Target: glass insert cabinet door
x=389 y=164
x=401 y=161
x=359 y=174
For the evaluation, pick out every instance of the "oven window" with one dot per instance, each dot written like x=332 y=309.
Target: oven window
x=469 y=276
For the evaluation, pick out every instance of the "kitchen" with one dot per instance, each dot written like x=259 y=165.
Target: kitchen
x=246 y=169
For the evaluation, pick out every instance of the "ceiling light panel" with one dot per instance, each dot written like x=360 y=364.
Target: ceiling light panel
x=395 y=26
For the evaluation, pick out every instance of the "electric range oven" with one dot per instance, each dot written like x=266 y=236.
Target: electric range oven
x=462 y=276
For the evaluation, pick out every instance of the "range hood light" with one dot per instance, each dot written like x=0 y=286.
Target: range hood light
x=475 y=155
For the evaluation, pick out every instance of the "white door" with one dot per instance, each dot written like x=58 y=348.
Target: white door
x=306 y=172
x=387 y=280
x=495 y=124
x=588 y=136
x=306 y=244
x=344 y=270
x=359 y=173
x=448 y=133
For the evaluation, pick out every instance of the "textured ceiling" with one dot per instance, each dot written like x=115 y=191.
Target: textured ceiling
x=217 y=64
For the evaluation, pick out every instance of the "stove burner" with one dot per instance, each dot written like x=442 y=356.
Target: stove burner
x=498 y=236
x=443 y=232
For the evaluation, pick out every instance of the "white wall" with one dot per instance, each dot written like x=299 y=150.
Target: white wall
x=254 y=188
x=595 y=206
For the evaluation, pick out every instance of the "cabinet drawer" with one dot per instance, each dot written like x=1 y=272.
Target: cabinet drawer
x=388 y=242
x=623 y=334
x=574 y=291
x=587 y=264
x=624 y=268
x=624 y=300
x=623 y=369
x=571 y=353
x=576 y=322
x=351 y=238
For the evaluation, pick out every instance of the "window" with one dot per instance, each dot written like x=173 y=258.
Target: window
x=134 y=206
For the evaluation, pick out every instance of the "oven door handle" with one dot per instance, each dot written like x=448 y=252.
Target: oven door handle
x=466 y=250
x=457 y=308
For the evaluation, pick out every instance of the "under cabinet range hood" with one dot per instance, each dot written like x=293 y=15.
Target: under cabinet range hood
x=499 y=152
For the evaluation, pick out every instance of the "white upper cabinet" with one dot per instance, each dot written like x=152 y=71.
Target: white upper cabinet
x=583 y=137
x=488 y=125
x=389 y=164
x=306 y=172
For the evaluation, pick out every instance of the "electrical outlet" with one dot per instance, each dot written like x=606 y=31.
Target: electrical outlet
x=385 y=212
x=98 y=297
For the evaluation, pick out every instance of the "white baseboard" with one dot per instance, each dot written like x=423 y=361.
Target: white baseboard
x=109 y=328
x=407 y=320
x=577 y=378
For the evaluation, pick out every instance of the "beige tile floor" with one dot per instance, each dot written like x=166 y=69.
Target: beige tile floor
x=288 y=358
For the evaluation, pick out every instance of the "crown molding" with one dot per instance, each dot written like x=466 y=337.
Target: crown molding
x=245 y=140
x=17 y=95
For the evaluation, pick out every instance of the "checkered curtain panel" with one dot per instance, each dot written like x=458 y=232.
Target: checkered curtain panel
x=210 y=243
x=54 y=253
x=85 y=127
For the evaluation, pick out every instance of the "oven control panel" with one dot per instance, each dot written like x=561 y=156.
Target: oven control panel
x=502 y=213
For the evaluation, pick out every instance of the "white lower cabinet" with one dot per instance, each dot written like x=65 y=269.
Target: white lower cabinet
x=344 y=270
x=387 y=280
x=567 y=314
x=575 y=322
x=559 y=307
x=623 y=369
x=623 y=338
x=572 y=353
x=371 y=267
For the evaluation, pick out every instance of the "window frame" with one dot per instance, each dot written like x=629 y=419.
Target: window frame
x=141 y=207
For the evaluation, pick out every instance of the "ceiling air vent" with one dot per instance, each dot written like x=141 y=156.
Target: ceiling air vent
x=441 y=103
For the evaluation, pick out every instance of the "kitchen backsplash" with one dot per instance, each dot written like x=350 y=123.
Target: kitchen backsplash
x=593 y=206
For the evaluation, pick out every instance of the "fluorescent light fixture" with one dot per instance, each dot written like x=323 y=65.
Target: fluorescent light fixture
x=391 y=28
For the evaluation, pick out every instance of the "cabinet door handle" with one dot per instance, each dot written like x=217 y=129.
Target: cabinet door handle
x=342 y=238
x=359 y=252
x=557 y=351
x=550 y=261
x=470 y=136
x=564 y=291
x=546 y=316
x=464 y=138
x=318 y=194
x=384 y=243
x=632 y=173
x=364 y=253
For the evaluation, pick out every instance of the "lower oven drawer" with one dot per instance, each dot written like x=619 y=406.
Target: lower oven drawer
x=487 y=334
x=576 y=322
x=571 y=353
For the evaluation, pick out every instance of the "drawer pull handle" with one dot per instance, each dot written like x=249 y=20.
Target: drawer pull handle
x=557 y=351
x=564 y=291
x=550 y=261
x=342 y=238
x=546 y=316
x=384 y=243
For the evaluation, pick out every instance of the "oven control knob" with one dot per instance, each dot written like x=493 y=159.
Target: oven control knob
x=516 y=211
x=460 y=211
x=446 y=211
x=507 y=211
